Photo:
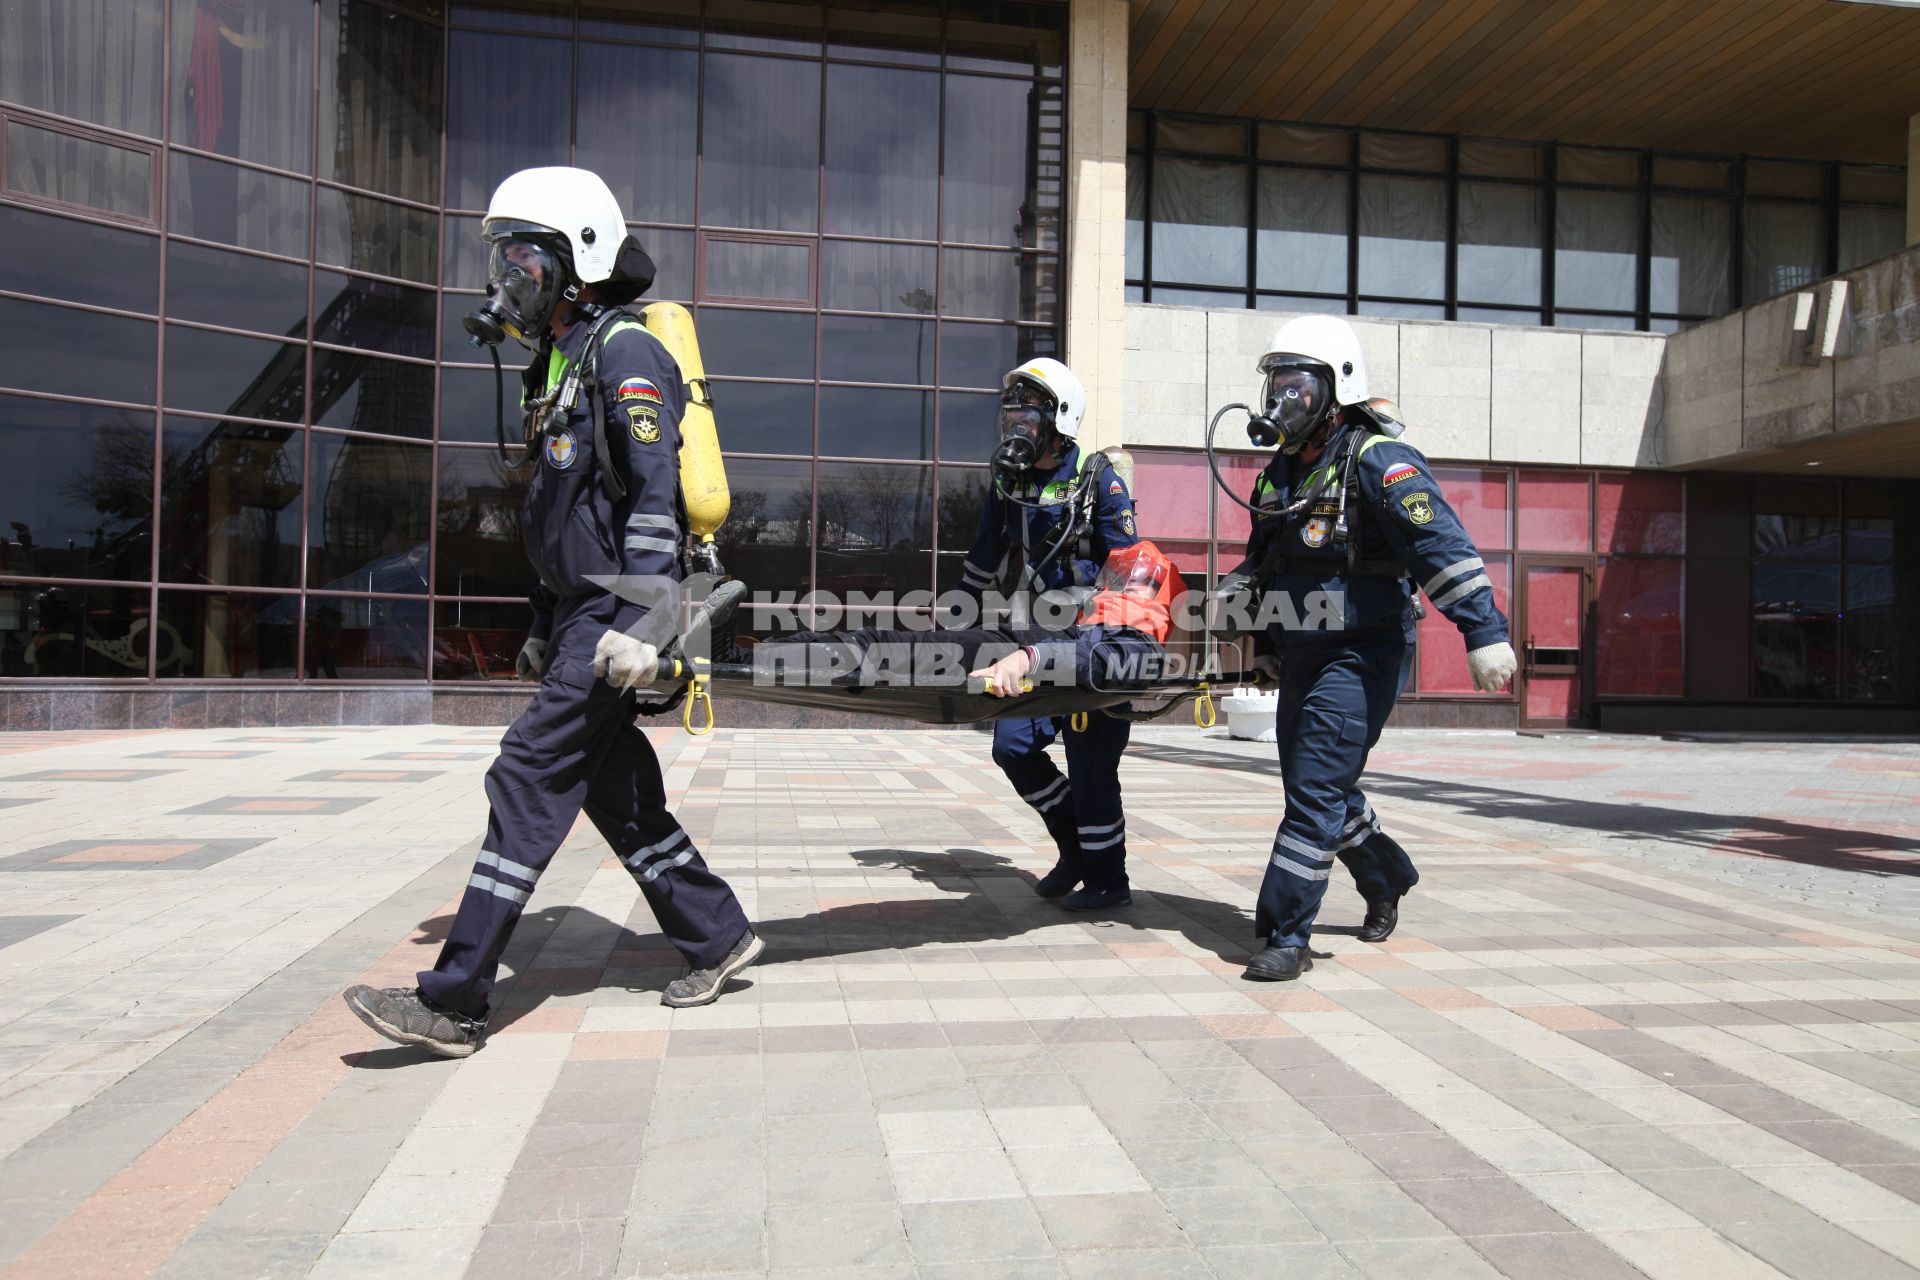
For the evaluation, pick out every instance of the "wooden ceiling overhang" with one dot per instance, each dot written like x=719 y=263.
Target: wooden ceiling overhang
x=1814 y=79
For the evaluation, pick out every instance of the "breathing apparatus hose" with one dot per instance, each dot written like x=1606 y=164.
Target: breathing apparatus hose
x=1292 y=509
x=500 y=415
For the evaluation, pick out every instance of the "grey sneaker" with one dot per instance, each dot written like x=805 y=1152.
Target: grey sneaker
x=402 y=1015
x=703 y=986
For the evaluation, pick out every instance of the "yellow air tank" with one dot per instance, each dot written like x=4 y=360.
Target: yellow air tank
x=703 y=476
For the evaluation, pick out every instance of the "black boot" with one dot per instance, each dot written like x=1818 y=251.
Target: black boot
x=1060 y=881
x=1382 y=915
x=1278 y=964
x=1100 y=895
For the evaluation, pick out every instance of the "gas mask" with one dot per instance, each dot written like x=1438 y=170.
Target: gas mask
x=1295 y=401
x=525 y=282
x=1026 y=424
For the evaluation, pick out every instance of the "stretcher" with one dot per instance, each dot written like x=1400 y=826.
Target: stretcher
x=928 y=704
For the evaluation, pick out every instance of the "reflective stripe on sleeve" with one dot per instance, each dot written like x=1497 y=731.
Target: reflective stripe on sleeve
x=1472 y=584
x=1453 y=570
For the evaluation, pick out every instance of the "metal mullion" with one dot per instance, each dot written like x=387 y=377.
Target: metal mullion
x=78 y=306
x=371 y=194
x=61 y=398
x=174 y=237
x=255 y=165
x=1151 y=131
x=1252 y=171
x=202 y=415
x=162 y=209
x=359 y=274
x=306 y=391
x=121 y=584
x=346 y=433
x=852 y=238
x=282 y=338
x=383 y=355
x=1551 y=232
x=219 y=589
x=1830 y=214
x=439 y=341
x=332 y=594
x=819 y=220
x=1452 y=284
x=1353 y=223
x=77 y=212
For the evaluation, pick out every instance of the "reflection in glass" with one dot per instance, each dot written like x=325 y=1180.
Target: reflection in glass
x=367 y=517
x=865 y=349
x=1796 y=537
x=784 y=26
x=1303 y=231
x=375 y=315
x=969 y=430
x=376 y=236
x=92 y=60
x=76 y=498
x=230 y=503
x=977 y=355
x=876 y=277
x=243 y=80
x=500 y=105
x=97 y=633
x=555 y=16
x=1881 y=663
x=963 y=490
x=361 y=639
x=767 y=270
x=872 y=422
x=246 y=377
x=380 y=93
x=122 y=267
x=757 y=344
x=987 y=193
x=1136 y=218
x=455 y=345
x=59 y=166
x=229 y=636
x=1796 y=630
x=764 y=417
x=236 y=290
x=996 y=35
x=1870 y=539
x=760 y=143
x=666 y=21
x=977 y=282
x=463 y=255
x=480 y=551
x=212 y=200
x=54 y=349
x=769 y=531
x=467 y=403
x=358 y=392
x=638 y=121
x=478 y=639
x=672 y=254
x=875 y=528
x=883 y=152
x=885 y=31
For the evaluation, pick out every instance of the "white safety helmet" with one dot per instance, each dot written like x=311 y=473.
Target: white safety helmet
x=1311 y=369
x=574 y=204
x=1054 y=378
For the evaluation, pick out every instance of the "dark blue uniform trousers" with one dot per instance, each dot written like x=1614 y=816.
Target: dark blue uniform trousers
x=1081 y=807
x=576 y=747
x=1334 y=701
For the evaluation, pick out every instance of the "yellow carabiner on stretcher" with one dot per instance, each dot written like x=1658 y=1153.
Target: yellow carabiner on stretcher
x=1077 y=722
x=696 y=696
x=1204 y=714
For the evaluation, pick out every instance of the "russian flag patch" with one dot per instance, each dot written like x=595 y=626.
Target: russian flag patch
x=639 y=389
x=1405 y=471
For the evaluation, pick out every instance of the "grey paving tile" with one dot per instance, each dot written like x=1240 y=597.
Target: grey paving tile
x=1199 y=1163
x=832 y=1235
x=974 y=1231
x=1631 y=1147
x=576 y=1249
x=1128 y=1264
x=1238 y=1216
x=1405 y=1157
x=1292 y=1261
x=562 y=1194
x=1430 y=1259
x=1485 y=1206
x=828 y=1180
x=1121 y=1221
x=582 y=1146
x=1364 y=1211
x=1815 y=1251
x=704 y=1244
x=267 y=1257
x=1559 y=1256
x=1350 y=1115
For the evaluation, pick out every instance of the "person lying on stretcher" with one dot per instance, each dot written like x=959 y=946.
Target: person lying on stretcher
x=1116 y=640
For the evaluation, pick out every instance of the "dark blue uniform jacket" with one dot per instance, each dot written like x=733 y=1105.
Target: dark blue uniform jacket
x=1005 y=526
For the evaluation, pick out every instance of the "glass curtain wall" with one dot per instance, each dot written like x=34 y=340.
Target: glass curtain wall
x=256 y=443
x=1237 y=213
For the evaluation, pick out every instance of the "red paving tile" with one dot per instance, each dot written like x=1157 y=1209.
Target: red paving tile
x=1245 y=1026
x=1295 y=1001
x=1445 y=998
x=1568 y=1017
x=529 y=1020
x=131 y=852
x=609 y=1046
x=1372 y=962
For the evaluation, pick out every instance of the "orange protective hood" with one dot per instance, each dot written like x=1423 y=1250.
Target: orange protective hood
x=1136 y=590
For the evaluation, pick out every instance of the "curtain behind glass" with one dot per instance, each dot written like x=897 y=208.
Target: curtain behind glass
x=1782 y=248
x=1403 y=236
x=1200 y=222
x=1303 y=230
x=760 y=147
x=1136 y=217
x=1502 y=230
x=1867 y=234
x=883 y=152
x=1596 y=249
x=243 y=79
x=638 y=121
x=92 y=60
x=501 y=99
x=1692 y=256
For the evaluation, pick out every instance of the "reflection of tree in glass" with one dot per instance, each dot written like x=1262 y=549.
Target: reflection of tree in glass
x=746 y=520
x=873 y=507
x=961 y=493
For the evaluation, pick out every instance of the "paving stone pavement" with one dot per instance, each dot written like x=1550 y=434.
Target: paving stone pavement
x=1654 y=1011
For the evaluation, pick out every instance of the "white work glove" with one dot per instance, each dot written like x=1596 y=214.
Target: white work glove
x=532 y=662
x=624 y=661
x=1492 y=666
x=1267 y=667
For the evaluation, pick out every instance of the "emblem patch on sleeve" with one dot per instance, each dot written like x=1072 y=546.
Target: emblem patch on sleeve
x=643 y=422
x=1314 y=532
x=639 y=389
x=562 y=449
x=1405 y=471
x=1419 y=507
x=1126 y=522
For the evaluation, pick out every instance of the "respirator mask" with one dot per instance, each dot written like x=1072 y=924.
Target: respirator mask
x=1026 y=421
x=1295 y=401
x=525 y=282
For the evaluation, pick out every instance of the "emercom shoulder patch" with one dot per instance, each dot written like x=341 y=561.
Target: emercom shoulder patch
x=1404 y=471
x=643 y=422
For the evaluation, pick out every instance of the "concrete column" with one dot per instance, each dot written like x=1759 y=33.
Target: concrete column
x=1096 y=290
x=1913 y=179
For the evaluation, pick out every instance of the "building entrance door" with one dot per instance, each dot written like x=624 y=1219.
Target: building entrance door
x=1553 y=640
